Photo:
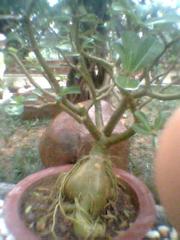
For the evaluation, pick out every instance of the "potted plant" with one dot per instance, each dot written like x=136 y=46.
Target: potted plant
x=110 y=62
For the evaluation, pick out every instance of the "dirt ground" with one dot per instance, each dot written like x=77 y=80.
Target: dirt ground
x=19 y=141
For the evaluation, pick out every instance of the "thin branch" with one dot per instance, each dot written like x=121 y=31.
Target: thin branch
x=164 y=97
x=86 y=76
x=66 y=105
x=165 y=49
x=83 y=67
x=52 y=80
x=62 y=54
x=98 y=115
x=105 y=94
x=115 y=138
x=104 y=88
x=71 y=113
x=31 y=80
x=101 y=61
x=66 y=59
x=74 y=108
x=81 y=115
x=117 y=95
x=10 y=17
x=91 y=127
x=139 y=93
x=170 y=84
x=160 y=96
x=115 y=117
x=163 y=74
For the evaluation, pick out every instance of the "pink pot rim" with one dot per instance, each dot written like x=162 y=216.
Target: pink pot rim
x=137 y=230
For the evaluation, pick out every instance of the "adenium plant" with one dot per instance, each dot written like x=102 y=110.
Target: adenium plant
x=126 y=48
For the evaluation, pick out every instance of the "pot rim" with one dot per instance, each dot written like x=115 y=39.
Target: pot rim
x=136 y=231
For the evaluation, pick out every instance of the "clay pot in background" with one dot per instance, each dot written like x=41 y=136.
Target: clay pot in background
x=65 y=140
x=167 y=169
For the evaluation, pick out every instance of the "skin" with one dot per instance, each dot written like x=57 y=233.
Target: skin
x=167 y=168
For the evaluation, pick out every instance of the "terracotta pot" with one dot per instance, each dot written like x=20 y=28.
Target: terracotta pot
x=137 y=230
x=167 y=168
x=65 y=140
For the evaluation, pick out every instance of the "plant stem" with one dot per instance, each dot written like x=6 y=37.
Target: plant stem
x=89 y=81
x=52 y=80
x=96 y=134
x=115 y=117
x=98 y=115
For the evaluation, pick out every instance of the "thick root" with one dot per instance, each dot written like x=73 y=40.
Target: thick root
x=85 y=192
x=84 y=225
x=91 y=185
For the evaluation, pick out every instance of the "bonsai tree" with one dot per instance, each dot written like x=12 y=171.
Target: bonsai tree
x=132 y=48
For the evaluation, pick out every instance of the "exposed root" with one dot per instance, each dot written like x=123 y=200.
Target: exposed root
x=66 y=217
x=83 y=194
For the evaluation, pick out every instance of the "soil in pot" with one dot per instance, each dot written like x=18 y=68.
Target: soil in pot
x=117 y=216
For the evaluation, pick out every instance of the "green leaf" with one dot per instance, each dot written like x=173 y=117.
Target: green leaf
x=160 y=120
x=126 y=82
x=128 y=50
x=18 y=100
x=138 y=53
x=12 y=50
x=69 y=90
x=148 y=51
x=155 y=141
x=139 y=129
x=143 y=120
x=14 y=110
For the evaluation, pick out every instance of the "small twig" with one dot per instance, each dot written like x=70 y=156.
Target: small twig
x=105 y=94
x=164 y=97
x=66 y=59
x=25 y=71
x=74 y=108
x=169 y=85
x=165 y=49
x=115 y=138
x=71 y=113
x=104 y=89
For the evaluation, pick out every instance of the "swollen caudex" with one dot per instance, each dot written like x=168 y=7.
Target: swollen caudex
x=85 y=192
